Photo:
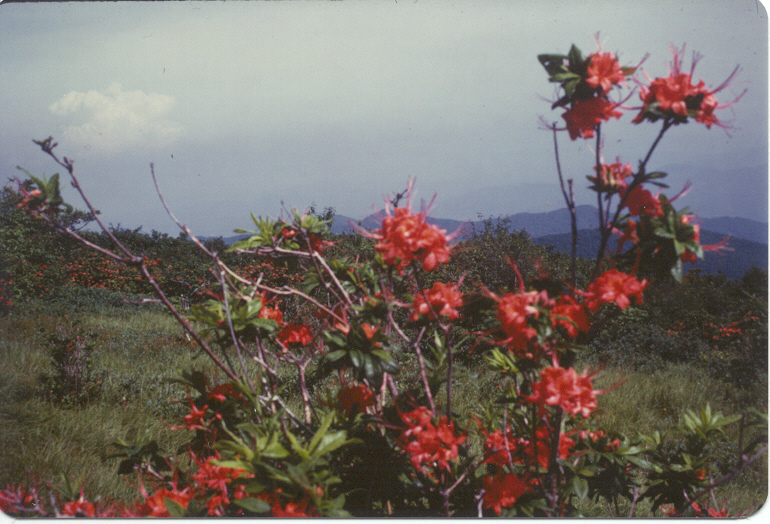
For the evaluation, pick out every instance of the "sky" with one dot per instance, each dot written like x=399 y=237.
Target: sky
x=253 y=107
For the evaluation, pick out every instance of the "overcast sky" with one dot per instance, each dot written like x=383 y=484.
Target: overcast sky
x=242 y=105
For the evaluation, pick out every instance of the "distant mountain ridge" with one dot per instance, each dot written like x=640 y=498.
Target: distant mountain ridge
x=748 y=238
x=740 y=255
x=558 y=221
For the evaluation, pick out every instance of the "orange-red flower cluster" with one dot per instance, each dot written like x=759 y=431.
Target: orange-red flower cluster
x=513 y=312
x=297 y=509
x=79 y=508
x=295 y=335
x=641 y=202
x=155 y=504
x=355 y=399
x=502 y=490
x=217 y=479
x=611 y=178
x=442 y=300
x=430 y=445
x=604 y=71
x=570 y=315
x=558 y=386
x=586 y=114
x=502 y=450
x=614 y=286
x=675 y=97
x=405 y=237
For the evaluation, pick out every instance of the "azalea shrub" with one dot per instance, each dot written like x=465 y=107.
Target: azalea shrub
x=338 y=389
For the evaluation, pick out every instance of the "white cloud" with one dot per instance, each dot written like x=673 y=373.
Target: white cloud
x=115 y=120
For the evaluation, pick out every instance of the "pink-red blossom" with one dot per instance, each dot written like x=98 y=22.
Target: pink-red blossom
x=441 y=300
x=586 y=114
x=614 y=286
x=675 y=97
x=558 y=386
x=429 y=444
x=603 y=71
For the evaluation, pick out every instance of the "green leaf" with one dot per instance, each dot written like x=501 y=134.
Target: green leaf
x=335 y=355
x=356 y=358
x=552 y=63
x=174 y=508
x=565 y=75
x=332 y=441
x=253 y=505
x=570 y=86
x=581 y=487
x=575 y=57
x=321 y=431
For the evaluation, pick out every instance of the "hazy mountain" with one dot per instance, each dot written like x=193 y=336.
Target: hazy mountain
x=748 y=238
x=737 y=227
x=717 y=192
x=741 y=256
x=558 y=221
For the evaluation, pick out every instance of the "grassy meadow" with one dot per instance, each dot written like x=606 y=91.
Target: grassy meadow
x=135 y=348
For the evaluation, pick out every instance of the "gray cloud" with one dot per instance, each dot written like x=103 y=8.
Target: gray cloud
x=338 y=103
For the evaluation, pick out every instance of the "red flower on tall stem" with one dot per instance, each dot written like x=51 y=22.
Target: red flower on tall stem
x=442 y=299
x=604 y=71
x=502 y=490
x=675 y=97
x=585 y=114
x=614 y=286
x=611 y=178
x=573 y=393
x=641 y=202
x=429 y=444
x=406 y=236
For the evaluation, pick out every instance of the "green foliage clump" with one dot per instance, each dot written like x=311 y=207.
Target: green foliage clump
x=73 y=381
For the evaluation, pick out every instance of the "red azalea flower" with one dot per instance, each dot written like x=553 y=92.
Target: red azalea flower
x=612 y=177
x=689 y=256
x=629 y=234
x=604 y=71
x=441 y=300
x=155 y=505
x=217 y=478
x=295 y=334
x=641 y=202
x=503 y=490
x=429 y=445
x=513 y=312
x=405 y=237
x=224 y=391
x=576 y=316
x=585 y=114
x=79 y=508
x=675 y=97
x=614 y=286
x=194 y=420
x=558 y=386
x=271 y=313
x=355 y=399
x=294 y=509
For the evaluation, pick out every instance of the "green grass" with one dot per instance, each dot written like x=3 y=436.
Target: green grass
x=136 y=350
x=133 y=355
x=643 y=403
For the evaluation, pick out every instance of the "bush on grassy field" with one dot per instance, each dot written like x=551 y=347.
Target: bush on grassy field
x=340 y=390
